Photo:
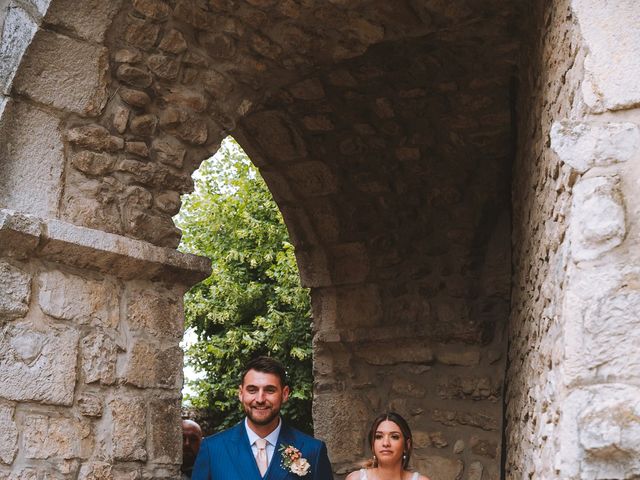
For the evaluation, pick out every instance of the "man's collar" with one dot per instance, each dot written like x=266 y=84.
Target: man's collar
x=272 y=438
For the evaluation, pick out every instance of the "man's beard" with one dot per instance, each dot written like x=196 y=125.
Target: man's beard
x=188 y=459
x=261 y=420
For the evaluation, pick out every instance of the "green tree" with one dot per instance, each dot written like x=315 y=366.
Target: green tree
x=252 y=304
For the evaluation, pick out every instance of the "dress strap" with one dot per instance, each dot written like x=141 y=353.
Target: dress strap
x=363 y=474
x=415 y=476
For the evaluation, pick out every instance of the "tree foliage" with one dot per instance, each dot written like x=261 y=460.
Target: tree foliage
x=252 y=304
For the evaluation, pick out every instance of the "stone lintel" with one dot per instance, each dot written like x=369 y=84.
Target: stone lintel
x=61 y=242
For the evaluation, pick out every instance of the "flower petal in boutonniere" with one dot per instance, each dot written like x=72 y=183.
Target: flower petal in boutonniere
x=292 y=460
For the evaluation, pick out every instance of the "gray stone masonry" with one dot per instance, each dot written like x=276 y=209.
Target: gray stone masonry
x=459 y=179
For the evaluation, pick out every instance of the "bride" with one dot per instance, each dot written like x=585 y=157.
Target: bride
x=391 y=444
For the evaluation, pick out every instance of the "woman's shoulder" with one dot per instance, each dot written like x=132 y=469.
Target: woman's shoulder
x=357 y=475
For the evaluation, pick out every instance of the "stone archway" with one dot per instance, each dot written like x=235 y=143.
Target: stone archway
x=387 y=135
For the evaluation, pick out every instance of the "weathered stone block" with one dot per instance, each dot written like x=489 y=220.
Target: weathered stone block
x=154 y=9
x=310 y=89
x=605 y=28
x=216 y=84
x=454 y=418
x=92 y=163
x=611 y=331
x=421 y=439
x=135 y=98
x=8 y=434
x=156 y=312
x=164 y=66
x=168 y=202
x=187 y=98
x=88 y=20
x=610 y=428
x=94 y=137
x=76 y=82
x=15 y=291
x=340 y=419
x=439 y=467
x=141 y=34
x=408 y=389
x=459 y=355
x=485 y=447
x=318 y=123
x=38 y=366
x=120 y=118
x=264 y=46
x=438 y=439
x=81 y=206
x=217 y=45
x=173 y=41
x=96 y=471
x=383 y=108
x=144 y=125
x=193 y=130
x=583 y=145
x=53 y=436
x=127 y=473
x=28 y=186
x=99 y=358
x=597 y=222
x=137 y=148
x=475 y=471
x=359 y=306
x=17 y=32
x=350 y=263
x=19 y=233
x=395 y=352
x=278 y=139
x=476 y=388
x=600 y=432
x=90 y=405
x=458 y=447
x=84 y=300
x=408 y=154
x=134 y=76
x=150 y=365
x=127 y=55
x=165 y=432
x=129 y=435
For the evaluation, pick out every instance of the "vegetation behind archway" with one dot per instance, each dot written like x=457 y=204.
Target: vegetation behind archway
x=252 y=304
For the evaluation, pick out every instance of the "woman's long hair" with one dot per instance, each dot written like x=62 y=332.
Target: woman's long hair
x=406 y=434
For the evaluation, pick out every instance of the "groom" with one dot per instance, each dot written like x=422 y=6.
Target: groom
x=262 y=446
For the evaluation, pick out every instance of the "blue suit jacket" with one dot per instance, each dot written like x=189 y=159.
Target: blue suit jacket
x=227 y=456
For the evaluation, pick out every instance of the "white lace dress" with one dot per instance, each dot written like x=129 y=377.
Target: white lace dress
x=363 y=475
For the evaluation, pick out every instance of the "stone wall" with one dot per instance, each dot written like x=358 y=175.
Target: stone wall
x=90 y=367
x=385 y=132
x=18 y=23
x=572 y=369
x=384 y=135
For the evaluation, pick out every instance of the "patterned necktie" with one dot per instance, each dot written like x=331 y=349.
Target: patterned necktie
x=261 y=456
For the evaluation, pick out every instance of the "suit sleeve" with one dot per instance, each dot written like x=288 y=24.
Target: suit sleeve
x=202 y=467
x=322 y=470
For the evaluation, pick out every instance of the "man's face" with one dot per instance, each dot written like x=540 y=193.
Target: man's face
x=191 y=438
x=262 y=395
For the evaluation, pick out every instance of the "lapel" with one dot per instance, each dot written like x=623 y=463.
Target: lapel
x=287 y=437
x=241 y=454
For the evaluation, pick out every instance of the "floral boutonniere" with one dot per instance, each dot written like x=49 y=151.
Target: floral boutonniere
x=292 y=460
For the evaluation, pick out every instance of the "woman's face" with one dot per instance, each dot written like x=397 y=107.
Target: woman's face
x=388 y=443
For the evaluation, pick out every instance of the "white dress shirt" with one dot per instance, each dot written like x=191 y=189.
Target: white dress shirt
x=271 y=439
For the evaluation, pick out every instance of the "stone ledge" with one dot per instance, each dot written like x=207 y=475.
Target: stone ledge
x=53 y=240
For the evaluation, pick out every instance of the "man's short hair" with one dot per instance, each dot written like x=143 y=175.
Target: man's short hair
x=265 y=364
